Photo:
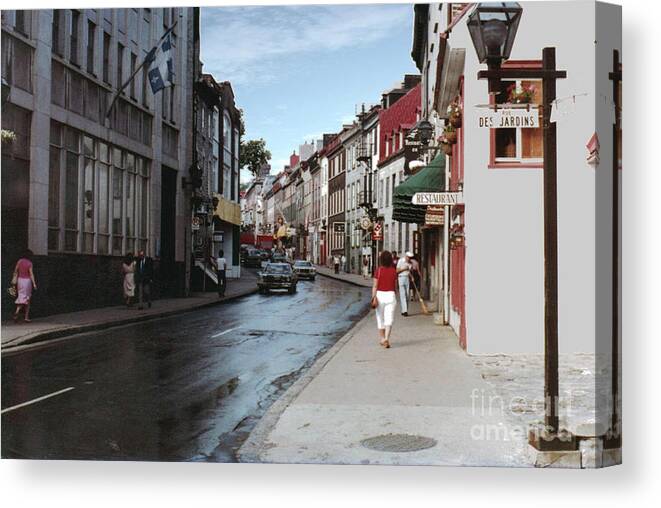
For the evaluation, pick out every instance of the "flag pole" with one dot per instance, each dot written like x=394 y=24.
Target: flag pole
x=148 y=60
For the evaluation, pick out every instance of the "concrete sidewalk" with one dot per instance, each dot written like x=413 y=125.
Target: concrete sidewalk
x=60 y=325
x=351 y=278
x=423 y=391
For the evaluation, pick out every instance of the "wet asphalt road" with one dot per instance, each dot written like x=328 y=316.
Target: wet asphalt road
x=188 y=387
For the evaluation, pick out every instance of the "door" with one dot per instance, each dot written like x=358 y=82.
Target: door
x=168 y=228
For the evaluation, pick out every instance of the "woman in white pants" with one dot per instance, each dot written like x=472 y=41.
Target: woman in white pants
x=384 y=298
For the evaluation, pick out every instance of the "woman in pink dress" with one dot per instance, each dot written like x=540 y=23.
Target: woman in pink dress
x=25 y=284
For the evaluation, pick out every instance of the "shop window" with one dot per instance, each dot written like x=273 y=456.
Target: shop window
x=518 y=147
x=133 y=25
x=17 y=62
x=121 y=20
x=145 y=86
x=134 y=63
x=57 y=41
x=91 y=41
x=75 y=93
x=104 y=202
x=88 y=195
x=23 y=22
x=74 y=56
x=58 y=83
x=106 y=58
x=103 y=176
x=91 y=101
x=17 y=120
x=145 y=30
x=120 y=66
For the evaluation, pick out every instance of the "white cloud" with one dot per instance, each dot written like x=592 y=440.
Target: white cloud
x=241 y=43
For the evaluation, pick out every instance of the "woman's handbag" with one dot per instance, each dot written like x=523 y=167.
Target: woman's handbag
x=11 y=291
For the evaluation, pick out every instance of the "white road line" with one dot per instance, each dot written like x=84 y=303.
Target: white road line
x=39 y=399
x=223 y=333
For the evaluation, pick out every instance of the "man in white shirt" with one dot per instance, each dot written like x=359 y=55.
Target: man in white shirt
x=221 y=271
x=403 y=274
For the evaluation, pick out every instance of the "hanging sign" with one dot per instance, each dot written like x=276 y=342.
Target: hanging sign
x=339 y=227
x=377 y=232
x=509 y=119
x=437 y=198
x=434 y=216
x=365 y=222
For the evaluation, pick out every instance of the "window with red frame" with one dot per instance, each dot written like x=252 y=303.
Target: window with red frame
x=518 y=146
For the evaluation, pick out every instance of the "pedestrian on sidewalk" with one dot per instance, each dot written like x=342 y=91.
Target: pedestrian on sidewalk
x=336 y=263
x=344 y=263
x=395 y=258
x=221 y=272
x=415 y=276
x=403 y=280
x=366 y=267
x=25 y=283
x=144 y=276
x=128 y=269
x=383 y=297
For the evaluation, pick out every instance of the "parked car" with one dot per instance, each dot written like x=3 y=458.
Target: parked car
x=279 y=258
x=266 y=254
x=277 y=276
x=305 y=269
x=253 y=257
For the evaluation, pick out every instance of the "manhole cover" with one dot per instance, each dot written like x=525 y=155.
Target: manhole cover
x=398 y=443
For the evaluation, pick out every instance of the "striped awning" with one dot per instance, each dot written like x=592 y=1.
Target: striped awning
x=431 y=178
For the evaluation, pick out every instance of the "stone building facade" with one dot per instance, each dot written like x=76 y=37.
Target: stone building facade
x=82 y=188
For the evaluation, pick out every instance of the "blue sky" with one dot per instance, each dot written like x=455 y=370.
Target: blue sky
x=299 y=71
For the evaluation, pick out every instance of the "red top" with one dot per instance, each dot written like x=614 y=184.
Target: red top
x=23 y=268
x=386 y=278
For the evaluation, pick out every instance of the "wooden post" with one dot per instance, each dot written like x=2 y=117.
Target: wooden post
x=550 y=249
x=614 y=439
x=549 y=437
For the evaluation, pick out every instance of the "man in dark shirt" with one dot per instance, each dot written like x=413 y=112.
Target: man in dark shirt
x=144 y=276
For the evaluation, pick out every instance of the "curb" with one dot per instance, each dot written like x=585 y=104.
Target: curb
x=256 y=442
x=19 y=343
x=342 y=280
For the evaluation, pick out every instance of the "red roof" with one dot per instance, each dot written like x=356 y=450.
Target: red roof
x=400 y=116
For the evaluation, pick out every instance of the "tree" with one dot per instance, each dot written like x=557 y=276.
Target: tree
x=253 y=155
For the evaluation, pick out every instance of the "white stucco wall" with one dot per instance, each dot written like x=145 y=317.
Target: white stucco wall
x=504 y=207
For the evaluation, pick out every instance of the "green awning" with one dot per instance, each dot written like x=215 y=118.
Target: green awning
x=431 y=178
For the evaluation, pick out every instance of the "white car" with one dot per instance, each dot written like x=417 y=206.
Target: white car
x=305 y=269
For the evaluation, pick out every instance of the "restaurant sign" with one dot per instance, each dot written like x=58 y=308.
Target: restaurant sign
x=437 y=198
x=509 y=119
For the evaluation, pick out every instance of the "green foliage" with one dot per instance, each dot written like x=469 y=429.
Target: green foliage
x=253 y=155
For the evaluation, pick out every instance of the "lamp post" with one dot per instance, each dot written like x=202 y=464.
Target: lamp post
x=493 y=28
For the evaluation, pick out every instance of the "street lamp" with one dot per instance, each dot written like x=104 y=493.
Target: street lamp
x=492 y=27
x=425 y=131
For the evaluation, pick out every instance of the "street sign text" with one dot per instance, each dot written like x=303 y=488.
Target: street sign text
x=509 y=118
x=437 y=198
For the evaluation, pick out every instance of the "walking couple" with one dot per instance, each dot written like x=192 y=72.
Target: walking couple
x=138 y=274
x=387 y=279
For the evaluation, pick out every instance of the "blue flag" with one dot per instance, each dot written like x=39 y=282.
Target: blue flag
x=161 y=69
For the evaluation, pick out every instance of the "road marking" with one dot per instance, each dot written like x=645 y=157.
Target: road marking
x=39 y=399
x=223 y=333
